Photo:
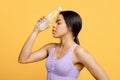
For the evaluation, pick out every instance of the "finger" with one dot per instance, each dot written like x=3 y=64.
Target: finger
x=39 y=20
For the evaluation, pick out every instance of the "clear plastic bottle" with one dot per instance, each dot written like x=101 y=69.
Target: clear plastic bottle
x=44 y=24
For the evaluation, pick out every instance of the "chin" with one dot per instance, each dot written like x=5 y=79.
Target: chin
x=55 y=36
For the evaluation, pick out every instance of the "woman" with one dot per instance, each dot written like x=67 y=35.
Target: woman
x=66 y=59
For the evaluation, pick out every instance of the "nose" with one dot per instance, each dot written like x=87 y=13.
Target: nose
x=54 y=26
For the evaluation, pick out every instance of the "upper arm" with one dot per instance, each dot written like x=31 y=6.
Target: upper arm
x=39 y=54
x=89 y=62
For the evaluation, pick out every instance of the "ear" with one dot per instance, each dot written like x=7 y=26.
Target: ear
x=69 y=28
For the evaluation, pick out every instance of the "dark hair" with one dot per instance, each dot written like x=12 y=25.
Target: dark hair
x=73 y=22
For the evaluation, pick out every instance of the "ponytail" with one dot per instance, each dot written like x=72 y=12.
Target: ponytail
x=76 y=40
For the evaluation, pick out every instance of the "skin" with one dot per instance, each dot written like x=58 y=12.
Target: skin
x=80 y=58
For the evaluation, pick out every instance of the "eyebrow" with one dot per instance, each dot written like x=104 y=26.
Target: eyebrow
x=58 y=20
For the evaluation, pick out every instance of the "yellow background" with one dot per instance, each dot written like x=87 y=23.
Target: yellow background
x=100 y=35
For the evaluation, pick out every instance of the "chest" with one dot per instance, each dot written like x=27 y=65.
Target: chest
x=60 y=66
x=59 y=53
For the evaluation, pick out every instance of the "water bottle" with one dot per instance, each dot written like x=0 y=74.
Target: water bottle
x=44 y=24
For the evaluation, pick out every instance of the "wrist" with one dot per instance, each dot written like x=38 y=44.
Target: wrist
x=34 y=34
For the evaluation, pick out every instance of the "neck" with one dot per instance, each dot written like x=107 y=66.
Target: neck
x=67 y=41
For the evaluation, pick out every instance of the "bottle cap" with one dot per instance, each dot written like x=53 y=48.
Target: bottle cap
x=59 y=8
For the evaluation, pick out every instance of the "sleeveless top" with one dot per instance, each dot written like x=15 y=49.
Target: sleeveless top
x=63 y=68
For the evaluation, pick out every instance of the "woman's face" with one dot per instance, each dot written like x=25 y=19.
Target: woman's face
x=60 y=28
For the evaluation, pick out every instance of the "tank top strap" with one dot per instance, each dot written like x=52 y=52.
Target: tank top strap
x=72 y=48
x=51 y=52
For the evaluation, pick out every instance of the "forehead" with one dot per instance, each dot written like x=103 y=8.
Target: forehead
x=60 y=17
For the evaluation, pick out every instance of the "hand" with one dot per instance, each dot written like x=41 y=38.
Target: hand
x=41 y=20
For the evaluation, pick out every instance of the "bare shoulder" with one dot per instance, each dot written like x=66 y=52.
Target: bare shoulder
x=82 y=54
x=79 y=50
x=49 y=45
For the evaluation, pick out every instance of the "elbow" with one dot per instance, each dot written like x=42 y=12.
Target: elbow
x=22 y=61
x=105 y=78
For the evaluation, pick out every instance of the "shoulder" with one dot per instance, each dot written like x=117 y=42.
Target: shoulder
x=79 y=50
x=50 y=45
x=82 y=54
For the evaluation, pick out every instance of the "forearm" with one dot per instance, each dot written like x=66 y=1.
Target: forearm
x=27 y=48
x=103 y=76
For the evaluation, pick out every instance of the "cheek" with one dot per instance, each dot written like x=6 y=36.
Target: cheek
x=61 y=30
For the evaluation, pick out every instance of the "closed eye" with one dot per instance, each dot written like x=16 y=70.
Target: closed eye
x=58 y=21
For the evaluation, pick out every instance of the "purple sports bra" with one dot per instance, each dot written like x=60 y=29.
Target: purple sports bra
x=63 y=68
